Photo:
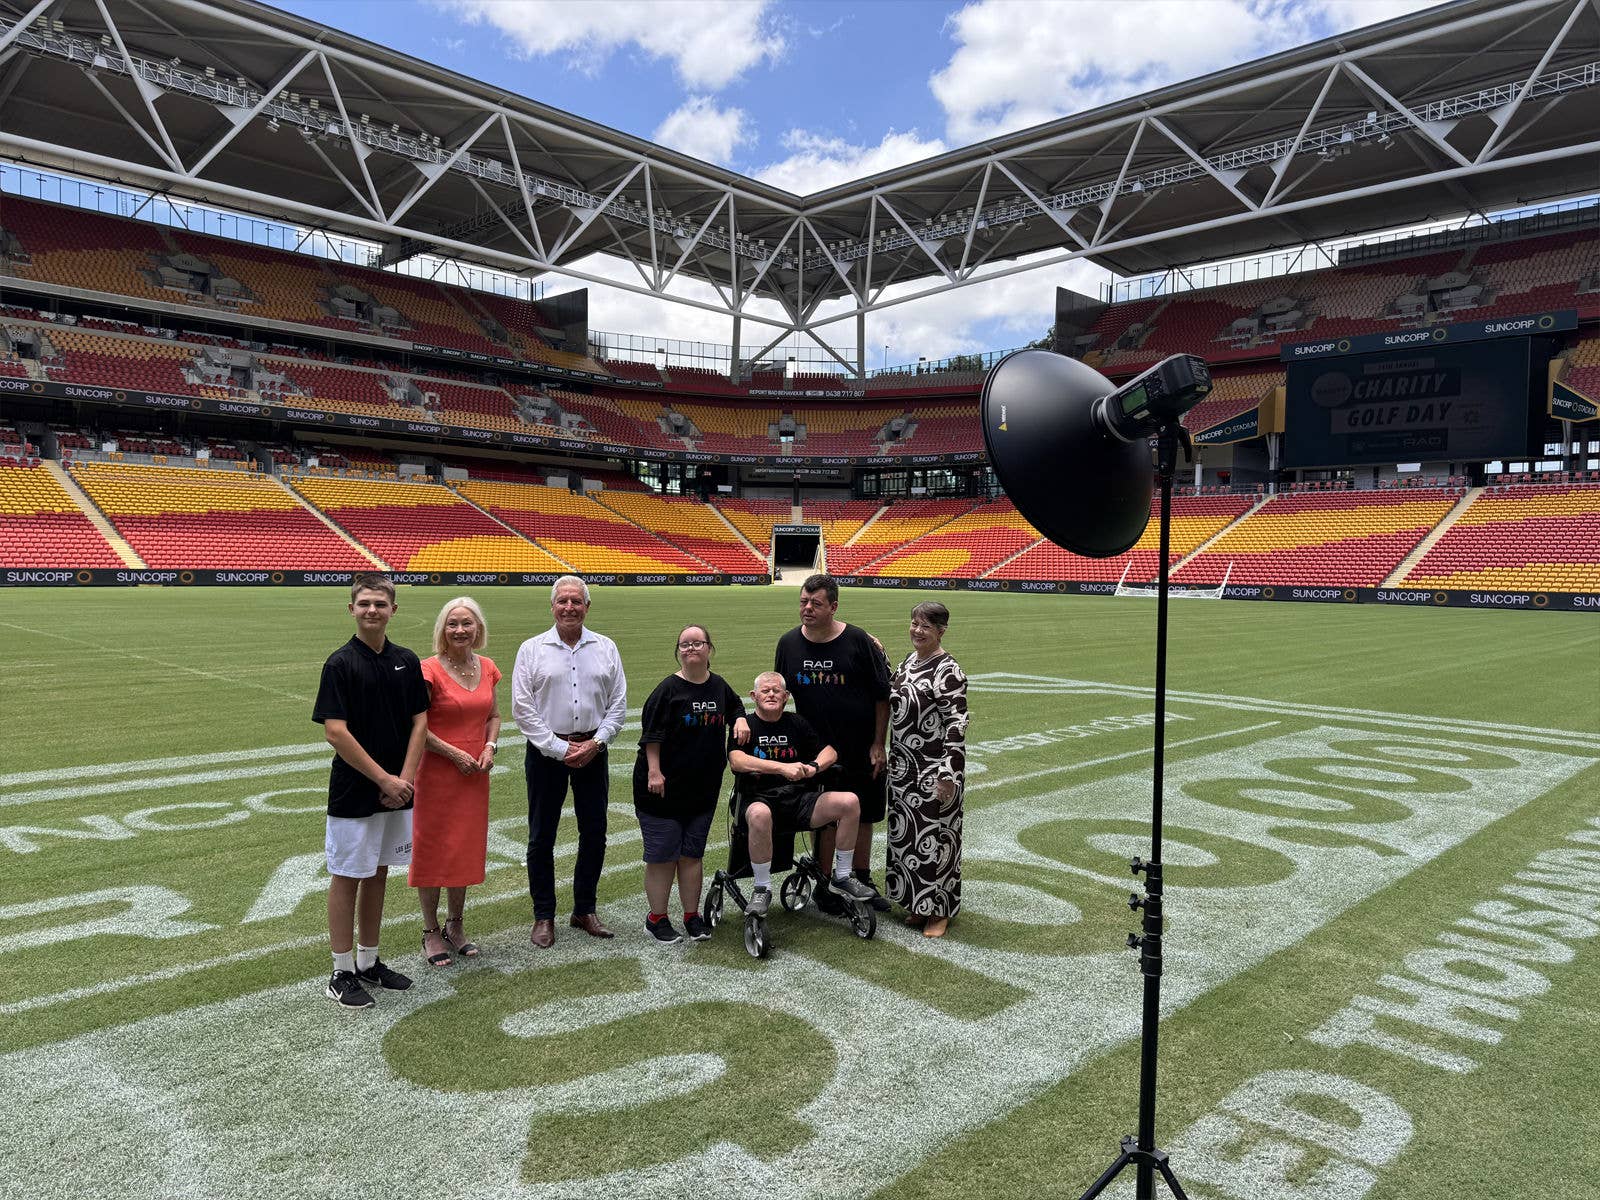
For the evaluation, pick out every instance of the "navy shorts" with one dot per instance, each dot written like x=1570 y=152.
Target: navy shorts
x=667 y=839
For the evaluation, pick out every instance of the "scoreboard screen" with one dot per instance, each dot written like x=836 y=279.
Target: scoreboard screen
x=1447 y=403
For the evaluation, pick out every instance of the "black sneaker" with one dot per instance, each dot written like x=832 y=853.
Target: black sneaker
x=760 y=902
x=877 y=901
x=663 y=931
x=384 y=976
x=346 y=991
x=695 y=928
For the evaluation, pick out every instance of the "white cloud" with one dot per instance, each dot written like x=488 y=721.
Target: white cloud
x=1020 y=62
x=699 y=128
x=1341 y=16
x=710 y=43
x=817 y=163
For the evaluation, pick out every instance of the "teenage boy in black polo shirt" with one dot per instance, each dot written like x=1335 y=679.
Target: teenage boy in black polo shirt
x=839 y=678
x=777 y=784
x=373 y=705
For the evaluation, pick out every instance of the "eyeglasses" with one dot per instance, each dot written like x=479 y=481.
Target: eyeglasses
x=924 y=626
x=693 y=645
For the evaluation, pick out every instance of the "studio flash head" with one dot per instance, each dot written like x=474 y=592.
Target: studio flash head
x=1138 y=408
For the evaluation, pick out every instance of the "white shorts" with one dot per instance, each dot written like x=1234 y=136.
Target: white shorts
x=358 y=846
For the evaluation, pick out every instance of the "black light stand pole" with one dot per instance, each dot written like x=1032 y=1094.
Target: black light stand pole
x=1141 y=1151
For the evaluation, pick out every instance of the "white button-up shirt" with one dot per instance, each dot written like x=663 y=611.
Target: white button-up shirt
x=557 y=688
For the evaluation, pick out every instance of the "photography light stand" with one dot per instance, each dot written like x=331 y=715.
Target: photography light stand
x=1072 y=451
x=1141 y=1151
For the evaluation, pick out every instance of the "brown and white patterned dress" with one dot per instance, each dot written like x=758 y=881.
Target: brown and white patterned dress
x=928 y=719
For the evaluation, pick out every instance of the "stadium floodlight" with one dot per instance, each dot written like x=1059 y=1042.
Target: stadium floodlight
x=1072 y=451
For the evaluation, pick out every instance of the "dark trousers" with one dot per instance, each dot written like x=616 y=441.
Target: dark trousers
x=547 y=792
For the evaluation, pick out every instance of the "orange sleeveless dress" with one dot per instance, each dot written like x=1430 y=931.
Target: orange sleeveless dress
x=450 y=821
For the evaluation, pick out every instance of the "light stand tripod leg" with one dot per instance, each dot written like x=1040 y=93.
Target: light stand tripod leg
x=1142 y=1152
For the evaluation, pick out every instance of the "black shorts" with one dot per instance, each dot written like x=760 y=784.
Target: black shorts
x=667 y=839
x=858 y=778
x=792 y=805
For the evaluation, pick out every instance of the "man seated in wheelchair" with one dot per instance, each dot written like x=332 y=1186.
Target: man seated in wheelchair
x=777 y=784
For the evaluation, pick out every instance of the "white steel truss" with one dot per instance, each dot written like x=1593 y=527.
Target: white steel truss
x=1452 y=108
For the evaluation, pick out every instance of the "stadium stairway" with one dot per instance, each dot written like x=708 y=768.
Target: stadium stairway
x=1434 y=534
x=338 y=529
x=856 y=536
x=739 y=533
x=96 y=518
x=1206 y=545
x=1011 y=558
x=515 y=532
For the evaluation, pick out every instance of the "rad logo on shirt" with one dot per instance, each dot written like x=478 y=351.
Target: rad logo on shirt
x=775 y=746
x=703 y=713
x=818 y=670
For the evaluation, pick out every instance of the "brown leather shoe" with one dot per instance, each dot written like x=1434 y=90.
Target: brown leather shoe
x=543 y=935
x=590 y=924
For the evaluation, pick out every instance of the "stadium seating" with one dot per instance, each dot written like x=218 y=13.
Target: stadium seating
x=1195 y=519
x=41 y=524
x=755 y=518
x=120 y=362
x=1233 y=392
x=189 y=518
x=1536 y=537
x=903 y=522
x=964 y=548
x=1583 y=367
x=1347 y=539
x=840 y=519
x=422 y=527
x=689 y=525
x=579 y=530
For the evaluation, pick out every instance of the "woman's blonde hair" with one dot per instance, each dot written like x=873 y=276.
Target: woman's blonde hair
x=471 y=605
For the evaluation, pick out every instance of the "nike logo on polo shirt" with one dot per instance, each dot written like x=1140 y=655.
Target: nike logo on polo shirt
x=401 y=667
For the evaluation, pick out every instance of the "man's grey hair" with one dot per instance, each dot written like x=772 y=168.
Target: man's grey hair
x=569 y=581
x=771 y=675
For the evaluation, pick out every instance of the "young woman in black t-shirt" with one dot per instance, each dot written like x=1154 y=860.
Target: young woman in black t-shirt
x=677 y=780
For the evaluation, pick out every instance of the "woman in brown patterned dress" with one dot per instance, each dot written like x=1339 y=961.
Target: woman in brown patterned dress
x=927 y=773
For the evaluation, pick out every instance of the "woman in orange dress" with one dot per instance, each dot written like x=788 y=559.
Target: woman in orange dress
x=450 y=824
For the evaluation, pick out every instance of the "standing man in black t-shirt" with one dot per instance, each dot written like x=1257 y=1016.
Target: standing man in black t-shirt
x=373 y=706
x=839 y=678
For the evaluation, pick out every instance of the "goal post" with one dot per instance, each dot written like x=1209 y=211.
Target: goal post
x=1175 y=591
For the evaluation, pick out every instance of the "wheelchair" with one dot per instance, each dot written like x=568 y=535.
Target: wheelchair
x=805 y=879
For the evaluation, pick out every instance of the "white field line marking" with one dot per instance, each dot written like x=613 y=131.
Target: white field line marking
x=63 y=774
x=623 y=839
x=122 y=652
x=179 y=969
x=1045 y=685
x=1111 y=758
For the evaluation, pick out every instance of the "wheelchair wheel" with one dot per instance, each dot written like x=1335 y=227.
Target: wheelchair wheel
x=756 y=941
x=862 y=919
x=795 y=892
x=711 y=910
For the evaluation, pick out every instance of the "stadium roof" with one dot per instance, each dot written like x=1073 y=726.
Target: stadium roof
x=1469 y=107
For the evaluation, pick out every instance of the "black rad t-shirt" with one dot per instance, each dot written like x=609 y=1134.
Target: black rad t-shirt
x=836 y=686
x=789 y=739
x=376 y=694
x=692 y=723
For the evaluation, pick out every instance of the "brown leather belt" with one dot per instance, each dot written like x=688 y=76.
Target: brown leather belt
x=577 y=737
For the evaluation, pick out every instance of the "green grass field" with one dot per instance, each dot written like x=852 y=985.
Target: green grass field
x=1383 y=848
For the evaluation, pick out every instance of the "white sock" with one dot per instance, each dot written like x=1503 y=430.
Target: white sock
x=365 y=956
x=843 y=862
x=344 y=960
x=763 y=874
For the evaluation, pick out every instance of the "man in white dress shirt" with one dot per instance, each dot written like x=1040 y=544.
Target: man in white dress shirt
x=568 y=695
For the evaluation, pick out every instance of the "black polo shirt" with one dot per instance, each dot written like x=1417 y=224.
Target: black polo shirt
x=376 y=695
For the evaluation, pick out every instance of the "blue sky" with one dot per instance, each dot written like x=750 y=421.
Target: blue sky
x=808 y=93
